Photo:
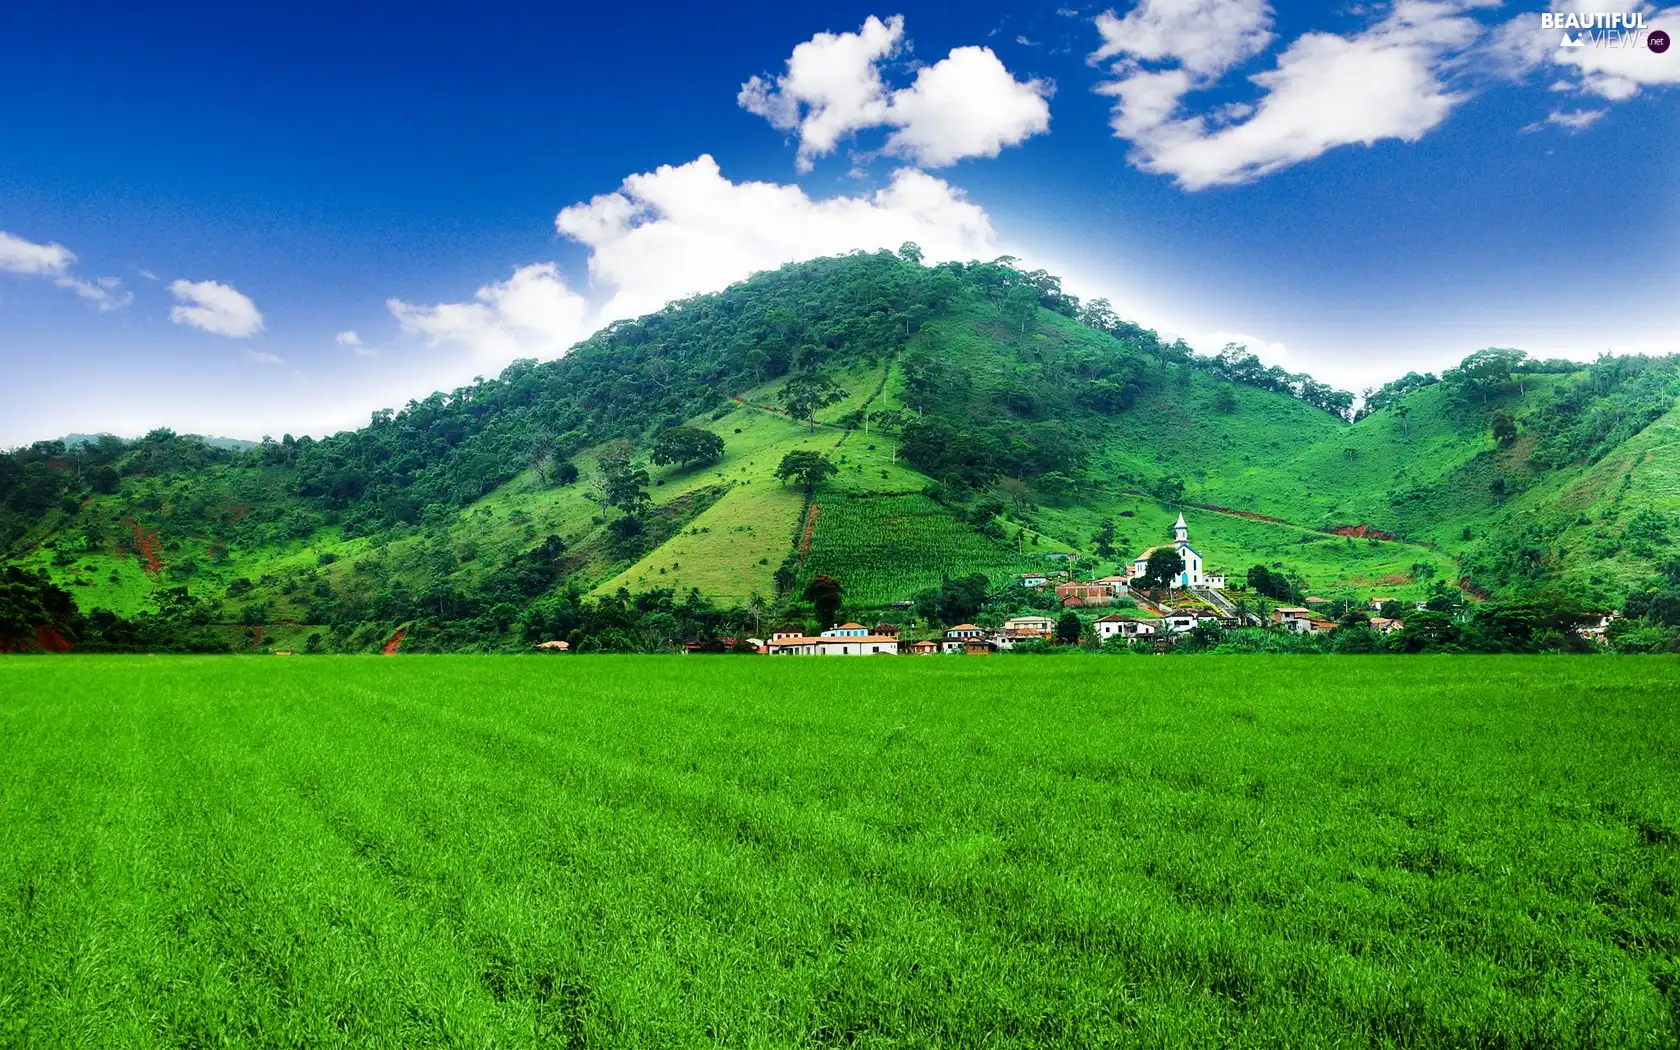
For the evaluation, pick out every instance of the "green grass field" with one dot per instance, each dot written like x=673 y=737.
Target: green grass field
x=692 y=851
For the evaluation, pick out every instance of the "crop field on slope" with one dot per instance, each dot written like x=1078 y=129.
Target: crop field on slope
x=886 y=548
x=693 y=851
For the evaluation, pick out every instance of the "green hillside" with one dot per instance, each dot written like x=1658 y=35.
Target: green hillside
x=974 y=420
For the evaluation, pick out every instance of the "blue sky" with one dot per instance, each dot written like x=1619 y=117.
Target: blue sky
x=247 y=221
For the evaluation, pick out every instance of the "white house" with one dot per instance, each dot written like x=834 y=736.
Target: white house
x=797 y=643
x=847 y=630
x=1191 y=574
x=1034 y=579
x=1293 y=619
x=1019 y=625
x=1114 y=625
x=957 y=639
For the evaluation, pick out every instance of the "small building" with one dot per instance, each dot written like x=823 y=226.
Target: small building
x=966 y=630
x=1314 y=603
x=978 y=647
x=1026 y=625
x=1386 y=625
x=885 y=630
x=1182 y=622
x=784 y=644
x=1214 y=580
x=554 y=646
x=847 y=630
x=1376 y=604
x=1293 y=618
x=1117 y=585
x=922 y=647
x=1033 y=579
x=1128 y=627
x=1088 y=592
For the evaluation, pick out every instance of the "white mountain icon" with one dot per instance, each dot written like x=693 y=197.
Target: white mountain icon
x=1570 y=41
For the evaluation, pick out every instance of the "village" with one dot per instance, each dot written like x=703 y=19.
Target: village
x=1195 y=598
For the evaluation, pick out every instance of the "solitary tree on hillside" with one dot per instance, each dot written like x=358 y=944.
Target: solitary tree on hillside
x=1504 y=427
x=687 y=445
x=808 y=393
x=539 y=454
x=825 y=595
x=809 y=468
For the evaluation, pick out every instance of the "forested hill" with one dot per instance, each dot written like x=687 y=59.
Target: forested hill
x=891 y=424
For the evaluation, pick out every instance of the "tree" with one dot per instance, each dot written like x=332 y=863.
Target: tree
x=1162 y=567
x=539 y=454
x=808 y=393
x=810 y=468
x=566 y=473
x=1504 y=427
x=624 y=485
x=1225 y=402
x=910 y=252
x=1104 y=539
x=1069 y=628
x=825 y=595
x=1020 y=306
x=961 y=599
x=687 y=445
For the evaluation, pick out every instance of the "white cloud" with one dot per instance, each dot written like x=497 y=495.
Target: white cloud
x=1268 y=351
x=351 y=341
x=687 y=229
x=1610 y=73
x=684 y=230
x=531 y=314
x=263 y=358
x=832 y=87
x=26 y=257
x=216 y=308
x=1578 y=120
x=1386 y=82
x=105 y=293
x=54 y=260
x=965 y=105
x=1205 y=37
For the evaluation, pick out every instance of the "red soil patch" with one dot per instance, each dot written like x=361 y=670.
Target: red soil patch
x=256 y=636
x=1362 y=531
x=50 y=640
x=1250 y=515
x=805 y=538
x=149 y=547
x=392 y=644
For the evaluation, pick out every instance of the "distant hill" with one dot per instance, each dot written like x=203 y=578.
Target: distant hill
x=232 y=444
x=978 y=420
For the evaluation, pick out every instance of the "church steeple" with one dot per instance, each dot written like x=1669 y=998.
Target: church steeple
x=1181 y=531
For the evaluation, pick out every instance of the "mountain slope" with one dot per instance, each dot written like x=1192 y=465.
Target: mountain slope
x=980 y=421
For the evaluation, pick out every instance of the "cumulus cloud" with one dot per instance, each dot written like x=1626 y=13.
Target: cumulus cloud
x=26 y=257
x=1609 y=73
x=215 y=308
x=965 y=105
x=684 y=230
x=353 y=342
x=1326 y=90
x=531 y=314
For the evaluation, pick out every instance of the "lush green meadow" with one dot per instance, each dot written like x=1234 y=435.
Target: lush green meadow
x=692 y=851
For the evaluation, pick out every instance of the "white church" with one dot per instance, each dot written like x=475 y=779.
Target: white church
x=1192 y=574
